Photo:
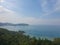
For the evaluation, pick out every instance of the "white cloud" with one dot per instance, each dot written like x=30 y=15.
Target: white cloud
x=57 y=6
x=44 y=5
x=1 y=0
x=7 y=15
x=45 y=9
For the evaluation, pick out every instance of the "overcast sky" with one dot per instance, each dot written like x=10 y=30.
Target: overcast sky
x=45 y=12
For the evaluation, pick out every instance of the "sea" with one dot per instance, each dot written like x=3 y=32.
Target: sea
x=45 y=31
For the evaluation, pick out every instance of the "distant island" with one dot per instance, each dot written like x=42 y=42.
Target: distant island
x=10 y=24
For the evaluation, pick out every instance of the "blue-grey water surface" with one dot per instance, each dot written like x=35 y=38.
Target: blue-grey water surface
x=50 y=31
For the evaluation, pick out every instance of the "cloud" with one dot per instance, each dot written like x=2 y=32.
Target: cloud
x=45 y=4
x=10 y=16
x=7 y=15
x=57 y=6
x=1 y=0
x=46 y=21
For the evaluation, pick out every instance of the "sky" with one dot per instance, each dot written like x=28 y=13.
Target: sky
x=34 y=12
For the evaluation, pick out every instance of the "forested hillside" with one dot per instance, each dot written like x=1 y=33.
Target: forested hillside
x=18 y=38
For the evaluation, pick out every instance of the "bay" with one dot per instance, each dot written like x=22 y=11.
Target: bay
x=51 y=31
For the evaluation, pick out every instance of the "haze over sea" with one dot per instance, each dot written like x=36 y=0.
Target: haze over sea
x=42 y=15
x=51 y=31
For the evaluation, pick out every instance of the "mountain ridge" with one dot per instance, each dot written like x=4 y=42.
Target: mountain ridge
x=11 y=24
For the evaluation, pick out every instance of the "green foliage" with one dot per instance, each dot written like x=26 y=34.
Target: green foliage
x=18 y=38
x=56 y=41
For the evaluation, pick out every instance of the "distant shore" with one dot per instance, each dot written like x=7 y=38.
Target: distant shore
x=11 y=24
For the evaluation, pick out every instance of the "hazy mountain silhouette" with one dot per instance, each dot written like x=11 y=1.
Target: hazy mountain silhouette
x=11 y=24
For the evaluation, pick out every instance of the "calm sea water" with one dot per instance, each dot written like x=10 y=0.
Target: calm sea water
x=38 y=31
